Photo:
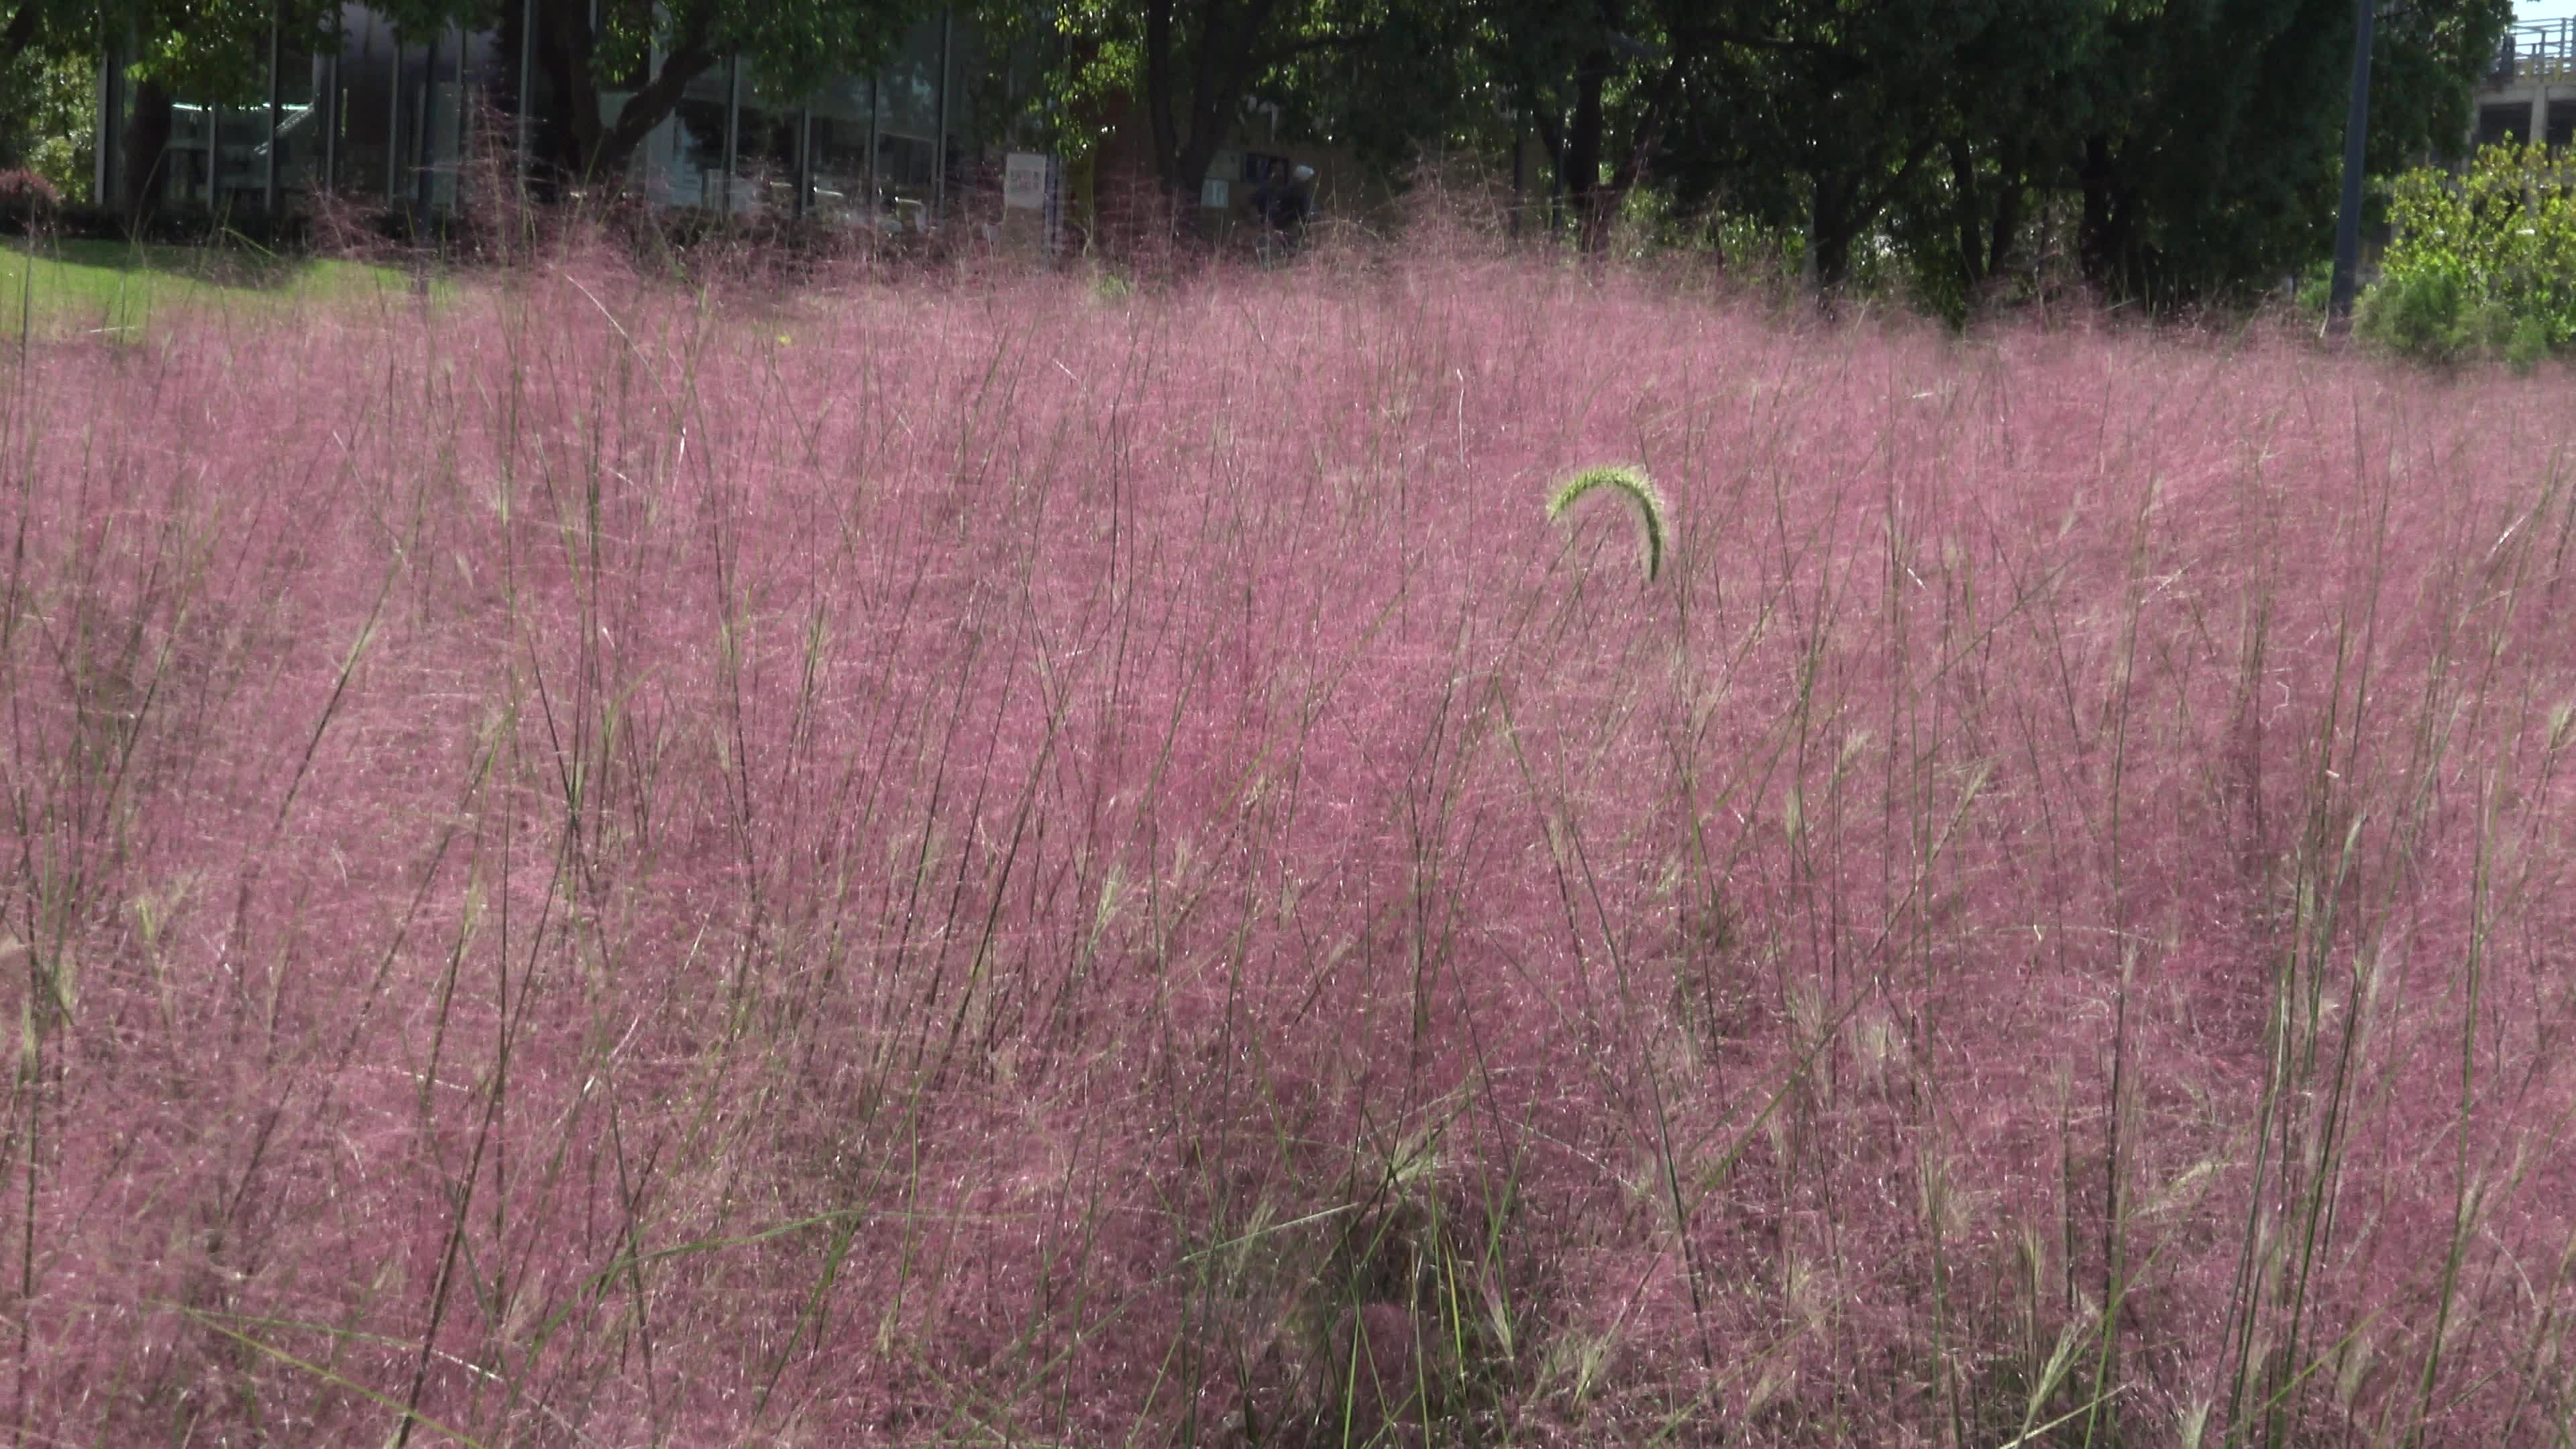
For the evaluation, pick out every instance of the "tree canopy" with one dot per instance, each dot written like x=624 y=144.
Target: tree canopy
x=2173 y=150
x=2187 y=147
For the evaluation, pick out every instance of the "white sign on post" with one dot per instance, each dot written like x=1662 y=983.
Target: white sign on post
x=1024 y=179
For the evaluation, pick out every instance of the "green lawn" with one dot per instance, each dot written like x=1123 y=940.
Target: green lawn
x=116 y=287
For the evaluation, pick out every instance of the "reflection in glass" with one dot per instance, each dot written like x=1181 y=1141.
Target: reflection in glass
x=240 y=159
x=378 y=118
x=684 y=160
x=186 y=173
x=364 y=113
x=432 y=125
x=764 y=163
x=301 y=131
x=843 y=121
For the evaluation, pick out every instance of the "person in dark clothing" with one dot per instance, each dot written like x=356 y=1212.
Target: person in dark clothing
x=1281 y=207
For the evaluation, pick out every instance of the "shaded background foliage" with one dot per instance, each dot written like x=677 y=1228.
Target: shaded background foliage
x=2173 y=151
x=2188 y=149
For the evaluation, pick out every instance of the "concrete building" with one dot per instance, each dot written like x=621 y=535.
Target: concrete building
x=2529 y=94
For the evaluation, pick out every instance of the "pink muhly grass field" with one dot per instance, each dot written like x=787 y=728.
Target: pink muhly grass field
x=590 y=865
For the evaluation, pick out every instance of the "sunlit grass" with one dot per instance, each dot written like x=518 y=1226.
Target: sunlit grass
x=73 y=287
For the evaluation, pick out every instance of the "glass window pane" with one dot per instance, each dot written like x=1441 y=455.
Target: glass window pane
x=299 y=131
x=764 y=162
x=911 y=83
x=186 y=176
x=840 y=153
x=241 y=158
x=434 y=97
x=364 y=113
x=966 y=58
x=692 y=171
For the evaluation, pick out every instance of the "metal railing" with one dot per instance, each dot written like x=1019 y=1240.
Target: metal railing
x=2540 y=51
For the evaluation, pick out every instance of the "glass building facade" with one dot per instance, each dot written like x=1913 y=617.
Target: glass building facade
x=405 y=121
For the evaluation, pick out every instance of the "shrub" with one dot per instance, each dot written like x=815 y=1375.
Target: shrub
x=2483 y=260
x=2526 y=344
x=25 y=196
x=26 y=188
x=47 y=104
x=2434 y=314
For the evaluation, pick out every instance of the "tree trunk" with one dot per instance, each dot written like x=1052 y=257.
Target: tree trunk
x=1584 y=142
x=1988 y=212
x=1831 y=250
x=1185 y=171
x=2004 y=234
x=572 y=140
x=147 y=147
x=1636 y=162
x=1221 y=70
x=1966 y=197
x=547 y=121
x=570 y=126
x=644 y=110
x=1846 y=205
x=2102 y=243
x=1828 y=238
x=21 y=31
x=1158 y=94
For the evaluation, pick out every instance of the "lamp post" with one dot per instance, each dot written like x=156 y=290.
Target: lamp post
x=2356 y=139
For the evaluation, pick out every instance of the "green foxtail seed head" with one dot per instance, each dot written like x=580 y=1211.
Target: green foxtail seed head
x=1654 y=519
